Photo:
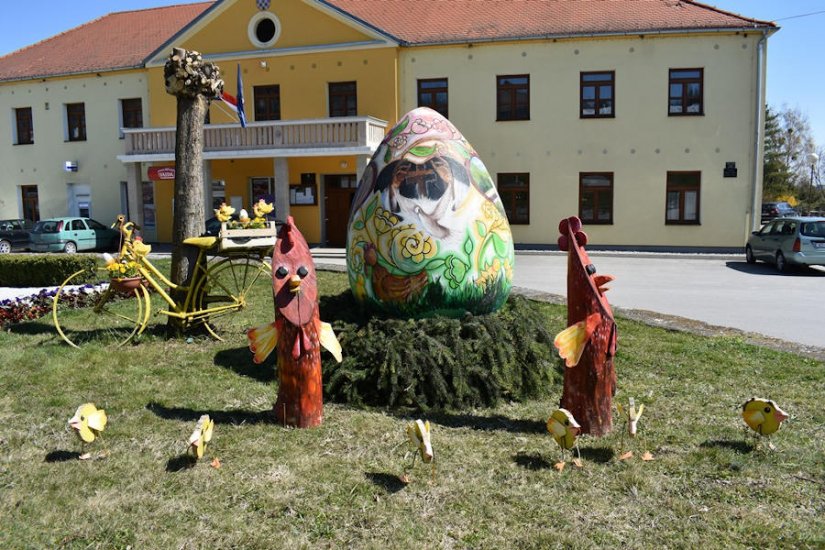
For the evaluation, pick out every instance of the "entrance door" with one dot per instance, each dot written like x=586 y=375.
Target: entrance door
x=31 y=205
x=340 y=190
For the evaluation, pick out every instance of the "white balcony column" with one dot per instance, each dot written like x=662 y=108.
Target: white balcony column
x=281 y=188
x=361 y=162
x=134 y=192
x=207 y=190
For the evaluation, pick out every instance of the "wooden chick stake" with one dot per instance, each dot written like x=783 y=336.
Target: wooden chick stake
x=297 y=332
x=88 y=423
x=418 y=435
x=565 y=431
x=632 y=416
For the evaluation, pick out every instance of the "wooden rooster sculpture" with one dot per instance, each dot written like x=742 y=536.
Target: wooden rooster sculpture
x=297 y=332
x=588 y=344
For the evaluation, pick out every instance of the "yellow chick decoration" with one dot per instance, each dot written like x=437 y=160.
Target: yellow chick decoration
x=201 y=436
x=140 y=249
x=632 y=416
x=418 y=435
x=763 y=416
x=88 y=421
x=564 y=429
x=262 y=208
x=224 y=212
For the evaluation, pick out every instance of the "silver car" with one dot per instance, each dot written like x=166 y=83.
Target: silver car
x=788 y=241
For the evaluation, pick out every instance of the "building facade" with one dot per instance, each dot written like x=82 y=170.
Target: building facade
x=644 y=118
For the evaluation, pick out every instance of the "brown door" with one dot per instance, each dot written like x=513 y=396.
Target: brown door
x=31 y=205
x=340 y=191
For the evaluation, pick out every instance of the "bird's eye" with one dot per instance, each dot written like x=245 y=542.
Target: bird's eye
x=302 y=272
x=282 y=272
x=767 y=409
x=82 y=418
x=566 y=422
x=590 y=268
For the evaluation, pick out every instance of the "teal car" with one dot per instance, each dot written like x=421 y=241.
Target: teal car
x=72 y=234
x=787 y=242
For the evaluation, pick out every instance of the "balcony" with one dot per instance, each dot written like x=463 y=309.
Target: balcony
x=277 y=138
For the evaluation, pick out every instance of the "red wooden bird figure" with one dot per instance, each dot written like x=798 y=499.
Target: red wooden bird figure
x=297 y=332
x=588 y=344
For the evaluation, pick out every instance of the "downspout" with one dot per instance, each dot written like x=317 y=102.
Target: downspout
x=759 y=135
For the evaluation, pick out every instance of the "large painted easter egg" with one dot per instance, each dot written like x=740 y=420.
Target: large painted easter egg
x=427 y=231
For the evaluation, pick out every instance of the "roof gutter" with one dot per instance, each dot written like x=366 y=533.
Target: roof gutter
x=565 y=36
x=85 y=72
x=759 y=132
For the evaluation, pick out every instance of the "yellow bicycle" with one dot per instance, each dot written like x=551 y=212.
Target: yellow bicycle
x=220 y=295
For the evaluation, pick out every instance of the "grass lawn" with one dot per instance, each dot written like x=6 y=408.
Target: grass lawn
x=337 y=485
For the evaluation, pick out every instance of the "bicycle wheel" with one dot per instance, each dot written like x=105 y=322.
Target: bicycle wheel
x=235 y=295
x=87 y=311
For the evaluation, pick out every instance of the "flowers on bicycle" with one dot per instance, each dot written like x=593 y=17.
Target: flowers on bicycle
x=224 y=213
x=262 y=208
x=120 y=268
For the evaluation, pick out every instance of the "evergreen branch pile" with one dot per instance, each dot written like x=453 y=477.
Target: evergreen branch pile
x=439 y=362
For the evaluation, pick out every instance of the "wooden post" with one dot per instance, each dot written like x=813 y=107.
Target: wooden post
x=590 y=379
x=194 y=83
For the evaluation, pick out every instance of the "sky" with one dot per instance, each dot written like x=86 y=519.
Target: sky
x=796 y=72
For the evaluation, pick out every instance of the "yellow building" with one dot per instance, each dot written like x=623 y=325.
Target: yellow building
x=643 y=117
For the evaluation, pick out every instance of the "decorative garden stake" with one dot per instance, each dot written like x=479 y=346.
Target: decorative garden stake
x=632 y=416
x=564 y=429
x=201 y=436
x=418 y=435
x=588 y=344
x=88 y=422
x=763 y=416
x=297 y=332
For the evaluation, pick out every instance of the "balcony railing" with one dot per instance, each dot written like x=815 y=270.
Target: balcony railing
x=318 y=135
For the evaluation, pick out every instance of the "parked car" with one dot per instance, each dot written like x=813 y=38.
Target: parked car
x=72 y=234
x=788 y=241
x=14 y=235
x=771 y=210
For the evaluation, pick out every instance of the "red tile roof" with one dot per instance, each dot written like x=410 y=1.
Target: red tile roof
x=126 y=39
x=115 y=41
x=446 y=21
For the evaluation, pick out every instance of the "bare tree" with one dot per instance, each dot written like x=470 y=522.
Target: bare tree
x=194 y=83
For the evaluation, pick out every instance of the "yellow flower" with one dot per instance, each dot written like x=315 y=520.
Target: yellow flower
x=384 y=220
x=413 y=244
x=224 y=213
x=262 y=208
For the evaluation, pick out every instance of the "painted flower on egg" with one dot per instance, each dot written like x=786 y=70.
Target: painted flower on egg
x=427 y=231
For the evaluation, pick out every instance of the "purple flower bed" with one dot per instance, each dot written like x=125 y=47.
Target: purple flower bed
x=27 y=308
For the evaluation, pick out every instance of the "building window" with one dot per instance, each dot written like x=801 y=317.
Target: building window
x=597 y=94
x=514 y=190
x=683 y=197
x=267 y=102
x=513 y=97
x=596 y=197
x=343 y=100
x=132 y=112
x=25 y=128
x=432 y=93
x=685 y=96
x=76 y=121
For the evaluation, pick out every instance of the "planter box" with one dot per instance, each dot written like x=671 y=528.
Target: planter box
x=240 y=239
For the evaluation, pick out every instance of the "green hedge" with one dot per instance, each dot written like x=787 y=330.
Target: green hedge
x=25 y=270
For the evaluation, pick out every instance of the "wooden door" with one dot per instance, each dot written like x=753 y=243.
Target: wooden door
x=31 y=204
x=339 y=193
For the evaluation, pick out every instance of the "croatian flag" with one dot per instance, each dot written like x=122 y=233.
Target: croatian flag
x=236 y=103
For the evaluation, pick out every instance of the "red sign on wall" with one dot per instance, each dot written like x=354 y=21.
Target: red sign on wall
x=158 y=173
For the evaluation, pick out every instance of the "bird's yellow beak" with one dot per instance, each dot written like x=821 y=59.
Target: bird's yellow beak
x=295 y=284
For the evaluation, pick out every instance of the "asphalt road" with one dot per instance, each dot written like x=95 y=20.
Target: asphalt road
x=723 y=291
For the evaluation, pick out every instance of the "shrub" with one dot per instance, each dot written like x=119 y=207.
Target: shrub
x=25 y=270
x=439 y=362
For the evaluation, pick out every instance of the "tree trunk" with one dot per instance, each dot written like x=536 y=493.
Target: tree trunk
x=194 y=83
